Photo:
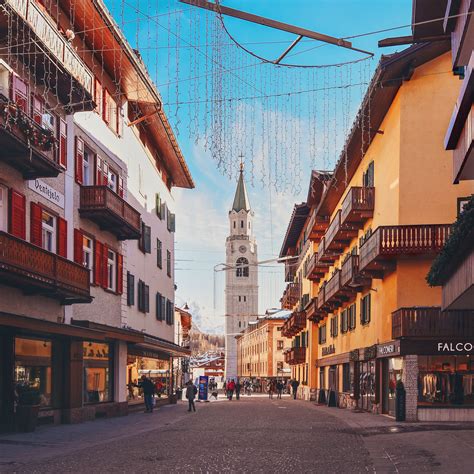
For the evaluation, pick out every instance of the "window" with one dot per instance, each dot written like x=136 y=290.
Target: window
x=279 y=365
x=169 y=312
x=234 y=224
x=3 y=208
x=352 y=316
x=168 y=263
x=143 y=297
x=159 y=253
x=368 y=176
x=344 y=322
x=130 y=289
x=365 y=309
x=87 y=167
x=280 y=345
x=112 y=181
x=242 y=269
x=160 y=316
x=48 y=231
x=170 y=221
x=346 y=377
x=98 y=363
x=20 y=93
x=88 y=255
x=334 y=326
x=158 y=206
x=241 y=224
x=144 y=243
x=322 y=334
x=111 y=265
x=240 y=299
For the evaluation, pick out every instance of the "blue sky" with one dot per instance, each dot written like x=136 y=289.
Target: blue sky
x=176 y=42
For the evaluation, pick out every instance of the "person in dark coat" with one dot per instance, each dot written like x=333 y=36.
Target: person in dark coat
x=191 y=391
x=148 y=388
x=294 y=385
x=279 y=387
x=238 y=388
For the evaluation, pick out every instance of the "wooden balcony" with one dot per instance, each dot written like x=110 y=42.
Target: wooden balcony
x=462 y=37
x=39 y=272
x=316 y=268
x=295 y=355
x=47 y=52
x=463 y=154
x=291 y=295
x=294 y=324
x=25 y=145
x=332 y=288
x=431 y=322
x=313 y=313
x=290 y=270
x=358 y=206
x=351 y=278
x=337 y=237
x=110 y=212
x=377 y=255
x=321 y=297
x=317 y=226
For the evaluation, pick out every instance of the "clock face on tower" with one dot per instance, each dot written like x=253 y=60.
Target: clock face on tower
x=242 y=249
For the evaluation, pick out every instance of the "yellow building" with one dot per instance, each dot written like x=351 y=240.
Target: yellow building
x=382 y=218
x=261 y=347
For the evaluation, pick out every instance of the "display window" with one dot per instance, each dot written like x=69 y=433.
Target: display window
x=33 y=369
x=98 y=370
x=367 y=384
x=393 y=375
x=445 y=381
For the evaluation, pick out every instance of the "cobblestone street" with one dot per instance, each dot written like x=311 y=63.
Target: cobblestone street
x=251 y=435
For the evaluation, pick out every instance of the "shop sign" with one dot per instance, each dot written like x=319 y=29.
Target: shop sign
x=455 y=347
x=136 y=351
x=389 y=349
x=45 y=190
x=331 y=349
x=370 y=352
x=425 y=347
x=354 y=355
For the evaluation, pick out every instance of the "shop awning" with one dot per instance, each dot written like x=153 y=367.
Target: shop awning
x=111 y=332
x=34 y=326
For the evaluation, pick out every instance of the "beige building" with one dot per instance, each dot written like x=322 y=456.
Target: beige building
x=261 y=347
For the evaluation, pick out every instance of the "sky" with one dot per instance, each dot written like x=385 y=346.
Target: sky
x=281 y=138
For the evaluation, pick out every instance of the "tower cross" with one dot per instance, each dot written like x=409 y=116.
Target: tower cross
x=241 y=156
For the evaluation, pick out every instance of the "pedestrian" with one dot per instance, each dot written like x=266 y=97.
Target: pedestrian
x=294 y=385
x=279 y=387
x=148 y=389
x=238 y=388
x=230 y=389
x=191 y=391
x=271 y=389
x=159 y=388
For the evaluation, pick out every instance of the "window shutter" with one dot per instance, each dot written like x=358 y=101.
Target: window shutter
x=158 y=306
x=37 y=109
x=17 y=220
x=98 y=170
x=168 y=220
x=163 y=308
x=146 y=298
x=120 y=186
x=119 y=273
x=105 y=110
x=140 y=295
x=172 y=222
x=35 y=224
x=370 y=175
x=158 y=206
x=63 y=143
x=79 y=164
x=130 y=289
x=105 y=273
x=147 y=242
x=367 y=309
x=119 y=121
x=98 y=96
x=78 y=247
x=20 y=93
x=62 y=237
x=105 y=172
x=98 y=250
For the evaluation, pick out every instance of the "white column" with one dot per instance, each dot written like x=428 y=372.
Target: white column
x=120 y=372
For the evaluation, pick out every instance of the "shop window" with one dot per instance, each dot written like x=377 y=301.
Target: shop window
x=322 y=334
x=98 y=370
x=445 y=381
x=365 y=309
x=346 y=378
x=159 y=253
x=33 y=369
x=168 y=263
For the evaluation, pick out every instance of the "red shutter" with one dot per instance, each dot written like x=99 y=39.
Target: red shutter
x=37 y=109
x=98 y=97
x=78 y=247
x=36 y=225
x=98 y=249
x=62 y=237
x=120 y=186
x=17 y=221
x=20 y=93
x=79 y=165
x=98 y=170
x=119 y=274
x=105 y=279
x=63 y=144
x=105 y=106
x=105 y=173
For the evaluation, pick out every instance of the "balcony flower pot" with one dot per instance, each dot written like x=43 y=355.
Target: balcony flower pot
x=27 y=410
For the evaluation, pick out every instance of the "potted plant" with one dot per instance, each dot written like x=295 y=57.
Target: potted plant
x=27 y=409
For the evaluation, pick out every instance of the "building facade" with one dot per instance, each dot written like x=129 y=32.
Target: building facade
x=261 y=348
x=241 y=282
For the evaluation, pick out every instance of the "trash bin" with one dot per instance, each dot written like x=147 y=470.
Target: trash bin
x=179 y=393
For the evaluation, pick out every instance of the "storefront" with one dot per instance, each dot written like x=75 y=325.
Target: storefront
x=392 y=372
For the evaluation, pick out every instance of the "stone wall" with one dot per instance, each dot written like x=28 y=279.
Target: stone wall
x=410 y=381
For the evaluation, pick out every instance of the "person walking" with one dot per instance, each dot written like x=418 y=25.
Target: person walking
x=191 y=391
x=279 y=387
x=238 y=388
x=230 y=389
x=271 y=389
x=294 y=385
x=148 y=389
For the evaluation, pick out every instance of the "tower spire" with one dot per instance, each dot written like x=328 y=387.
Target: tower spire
x=241 y=200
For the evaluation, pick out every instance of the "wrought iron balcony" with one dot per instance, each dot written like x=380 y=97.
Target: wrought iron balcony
x=37 y=271
x=25 y=145
x=294 y=324
x=295 y=355
x=358 y=206
x=110 y=212
x=426 y=322
x=379 y=251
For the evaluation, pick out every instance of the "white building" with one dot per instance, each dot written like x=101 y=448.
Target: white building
x=241 y=289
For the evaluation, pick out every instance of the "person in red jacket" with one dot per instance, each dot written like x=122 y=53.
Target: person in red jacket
x=230 y=389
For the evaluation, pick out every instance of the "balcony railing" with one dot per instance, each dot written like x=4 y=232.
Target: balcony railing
x=350 y=275
x=40 y=36
x=458 y=290
x=103 y=206
x=321 y=297
x=463 y=154
x=333 y=286
x=432 y=322
x=295 y=355
x=290 y=296
x=315 y=268
x=294 y=324
x=290 y=270
x=37 y=271
x=317 y=226
x=337 y=237
x=389 y=242
x=25 y=145
x=358 y=205
x=461 y=45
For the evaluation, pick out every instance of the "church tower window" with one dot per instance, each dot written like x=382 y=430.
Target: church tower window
x=242 y=267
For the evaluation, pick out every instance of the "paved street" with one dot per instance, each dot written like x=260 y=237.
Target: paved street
x=252 y=435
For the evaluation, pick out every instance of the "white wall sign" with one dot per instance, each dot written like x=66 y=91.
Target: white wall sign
x=47 y=192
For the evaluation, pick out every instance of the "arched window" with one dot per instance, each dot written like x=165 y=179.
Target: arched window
x=242 y=267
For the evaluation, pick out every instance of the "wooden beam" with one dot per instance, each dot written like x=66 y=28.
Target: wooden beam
x=401 y=40
x=273 y=24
